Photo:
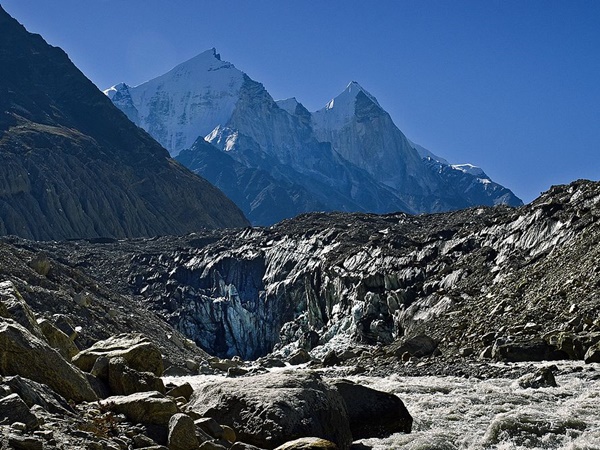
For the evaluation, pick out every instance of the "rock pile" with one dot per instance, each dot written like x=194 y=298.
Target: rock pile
x=111 y=396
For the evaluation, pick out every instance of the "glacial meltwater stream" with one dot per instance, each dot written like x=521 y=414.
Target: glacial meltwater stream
x=457 y=413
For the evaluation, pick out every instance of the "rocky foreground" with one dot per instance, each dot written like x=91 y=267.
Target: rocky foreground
x=270 y=320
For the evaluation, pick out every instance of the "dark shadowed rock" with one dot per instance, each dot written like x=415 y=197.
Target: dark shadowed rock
x=540 y=378
x=526 y=350
x=373 y=413
x=417 y=346
x=72 y=165
x=34 y=393
x=269 y=410
x=593 y=354
x=14 y=409
x=184 y=390
x=300 y=356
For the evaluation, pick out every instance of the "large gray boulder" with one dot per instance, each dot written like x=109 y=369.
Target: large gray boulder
x=271 y=409
x=417 y=346
x=182 y=433
x=138 y=351
x=28 y=356
x=143 y=407
x=373 y=413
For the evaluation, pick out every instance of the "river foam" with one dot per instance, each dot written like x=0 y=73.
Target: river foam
x=452 y=413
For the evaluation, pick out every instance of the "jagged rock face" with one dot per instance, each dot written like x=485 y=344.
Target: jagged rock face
x=371 y=279
x=364 y=134
x=71 y=164
x=263 y=198
x=261 y=135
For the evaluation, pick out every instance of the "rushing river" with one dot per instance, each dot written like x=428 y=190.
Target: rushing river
x=452 y=413
x=457 y=413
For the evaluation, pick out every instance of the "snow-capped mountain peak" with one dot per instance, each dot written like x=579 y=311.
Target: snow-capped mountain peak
x=188 y=101
x=471 y=170
x=340 y=110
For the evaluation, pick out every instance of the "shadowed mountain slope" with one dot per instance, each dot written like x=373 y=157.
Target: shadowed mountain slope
x=72 y=165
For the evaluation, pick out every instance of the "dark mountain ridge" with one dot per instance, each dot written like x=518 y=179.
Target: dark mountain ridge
x=72 y=165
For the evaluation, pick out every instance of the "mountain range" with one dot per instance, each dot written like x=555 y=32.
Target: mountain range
x=73 y=166
x=276 y=159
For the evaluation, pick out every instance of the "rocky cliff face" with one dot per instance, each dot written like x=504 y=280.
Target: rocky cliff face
x=321 y=281
x=72 y=165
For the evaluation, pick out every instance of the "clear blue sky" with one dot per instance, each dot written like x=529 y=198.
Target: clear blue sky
x=511 y=86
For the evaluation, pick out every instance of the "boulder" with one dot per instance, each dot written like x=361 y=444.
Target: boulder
x=593 y=354
x=13 y=306
x=184 y=390
x=143 y=407
x=300 y=356
x=243 y=446
x=137 y=350
x=270 y=409
x=526 y=350
x=331 y=359
x=58 y=340
x=575 y=345
x=210 y=426
x=182 y=434
x=417 y=346
x=208 y=445
x=123 y=380
x=373 y=413
x=28 y=356
x=540 y=378
x=33 y=393
x=19 y=442
x=308 y=443
x=229 y=434
x=14 y=409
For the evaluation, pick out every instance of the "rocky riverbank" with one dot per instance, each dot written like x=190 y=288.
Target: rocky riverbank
x=329 y=296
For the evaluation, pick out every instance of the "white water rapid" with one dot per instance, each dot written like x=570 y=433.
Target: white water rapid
x=453 y=413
